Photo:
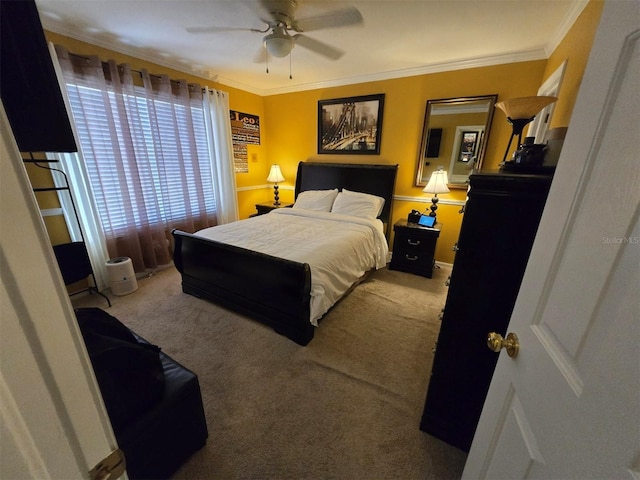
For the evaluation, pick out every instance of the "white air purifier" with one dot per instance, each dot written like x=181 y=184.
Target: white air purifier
x=122 y=278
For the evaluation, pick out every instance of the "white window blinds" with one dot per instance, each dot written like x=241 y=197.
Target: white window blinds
x=153 y=168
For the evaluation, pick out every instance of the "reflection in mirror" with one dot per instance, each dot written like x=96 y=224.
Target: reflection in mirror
x=454 y=136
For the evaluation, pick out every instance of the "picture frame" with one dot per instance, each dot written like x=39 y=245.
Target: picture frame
x=350 y=125
x=468 y=145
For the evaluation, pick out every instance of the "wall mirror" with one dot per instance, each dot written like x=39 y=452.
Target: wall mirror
x=454 y=136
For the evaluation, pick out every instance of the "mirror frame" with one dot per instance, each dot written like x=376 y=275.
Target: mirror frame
x=419 y=182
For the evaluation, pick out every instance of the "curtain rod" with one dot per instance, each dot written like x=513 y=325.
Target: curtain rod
x=139 y=72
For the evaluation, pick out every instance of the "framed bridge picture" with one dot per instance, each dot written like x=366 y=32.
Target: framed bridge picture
x=350 y=125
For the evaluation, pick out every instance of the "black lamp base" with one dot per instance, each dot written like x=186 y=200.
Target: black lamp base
x=434 y=206
x=276 y=198
x=517 y=125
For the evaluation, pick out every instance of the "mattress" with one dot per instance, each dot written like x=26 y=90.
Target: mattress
x=338 y=248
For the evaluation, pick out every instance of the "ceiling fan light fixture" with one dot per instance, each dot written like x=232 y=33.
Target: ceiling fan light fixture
x=278 y=44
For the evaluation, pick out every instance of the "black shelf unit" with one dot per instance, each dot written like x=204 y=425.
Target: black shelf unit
x=73 y=258
x=500 y=221
x=39 y=121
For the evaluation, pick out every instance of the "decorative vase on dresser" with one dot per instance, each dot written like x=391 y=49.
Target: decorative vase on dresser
x=500 y=221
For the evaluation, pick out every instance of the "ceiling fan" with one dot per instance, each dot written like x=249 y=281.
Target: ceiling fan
x=279 y=15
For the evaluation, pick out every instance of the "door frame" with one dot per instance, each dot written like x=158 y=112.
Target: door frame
x=540 y=125
x=54 y=423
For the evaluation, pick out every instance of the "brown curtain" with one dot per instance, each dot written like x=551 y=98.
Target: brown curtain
x=139 y=144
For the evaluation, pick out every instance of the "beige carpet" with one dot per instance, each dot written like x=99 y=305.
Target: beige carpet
x=347 y=406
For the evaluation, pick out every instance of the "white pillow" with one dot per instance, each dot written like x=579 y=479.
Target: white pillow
x=358 y=204
x=320 y=200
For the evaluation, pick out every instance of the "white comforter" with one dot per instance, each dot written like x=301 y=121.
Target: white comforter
x=338 y=248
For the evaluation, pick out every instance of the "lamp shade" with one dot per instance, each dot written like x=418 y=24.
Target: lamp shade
x=438 y=182
x=279 y=44
x=524 y=107
x=520 y=111
x=275 y=175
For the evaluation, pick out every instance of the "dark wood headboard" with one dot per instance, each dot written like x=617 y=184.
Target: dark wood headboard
x=377 y=180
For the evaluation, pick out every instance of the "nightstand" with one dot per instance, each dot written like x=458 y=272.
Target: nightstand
x=414 y=247
x=263 y=208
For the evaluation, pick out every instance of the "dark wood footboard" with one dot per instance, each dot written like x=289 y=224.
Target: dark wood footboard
x=272 y=290
x=268 y=289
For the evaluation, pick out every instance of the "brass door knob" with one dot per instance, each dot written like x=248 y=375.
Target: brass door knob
x=496 y=342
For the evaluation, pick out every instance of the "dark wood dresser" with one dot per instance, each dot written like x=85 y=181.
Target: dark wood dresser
x=414 y=247
x=500 y=221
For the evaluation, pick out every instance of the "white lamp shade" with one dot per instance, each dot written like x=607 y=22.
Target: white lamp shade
x=524 y=107
x=275 y=175
x=438 y=182
x=278 y=44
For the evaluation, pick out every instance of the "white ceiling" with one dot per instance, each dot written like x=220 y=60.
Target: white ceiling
x=397 y=38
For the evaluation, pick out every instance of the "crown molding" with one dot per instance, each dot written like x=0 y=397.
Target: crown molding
x=142 y=54
x=525 y=56
x=158 y=58
x=576 y=9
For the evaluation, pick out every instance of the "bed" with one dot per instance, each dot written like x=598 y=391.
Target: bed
x=248 y=272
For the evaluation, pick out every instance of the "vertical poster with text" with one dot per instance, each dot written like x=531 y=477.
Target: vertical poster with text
x=245 y=130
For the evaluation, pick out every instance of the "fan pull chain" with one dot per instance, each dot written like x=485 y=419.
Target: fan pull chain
x=290 y=76
x=266 y=56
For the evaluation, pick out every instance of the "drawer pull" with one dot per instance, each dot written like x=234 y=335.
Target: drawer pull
x=447 y=281
x=411 y=242
x=413 y=258
x=455 y=247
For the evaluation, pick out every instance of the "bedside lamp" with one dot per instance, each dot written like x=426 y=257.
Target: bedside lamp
x=275 y=176
x=437 y=184
x=520 y=111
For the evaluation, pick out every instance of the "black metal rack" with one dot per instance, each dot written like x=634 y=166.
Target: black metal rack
x=72 y=257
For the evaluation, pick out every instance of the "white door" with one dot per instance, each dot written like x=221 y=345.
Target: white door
x=568 y=406
x=53 y=422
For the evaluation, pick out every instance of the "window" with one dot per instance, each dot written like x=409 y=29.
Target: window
x=147 y=159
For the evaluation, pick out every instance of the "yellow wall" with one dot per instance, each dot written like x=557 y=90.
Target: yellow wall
x=291 y=128
x=289 y=121
x=292 y=118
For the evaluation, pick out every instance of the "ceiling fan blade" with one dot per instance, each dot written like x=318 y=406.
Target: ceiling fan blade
x=318 y=47
x=219 y=29
x=337 y=18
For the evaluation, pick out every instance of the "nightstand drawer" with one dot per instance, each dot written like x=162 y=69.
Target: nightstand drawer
x=415 y=242
x=413 y=262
